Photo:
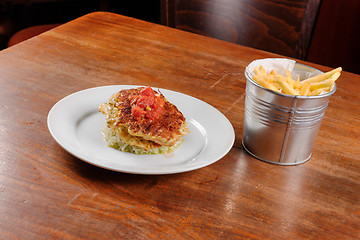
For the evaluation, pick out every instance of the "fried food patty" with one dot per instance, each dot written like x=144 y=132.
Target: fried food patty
x=144 y=118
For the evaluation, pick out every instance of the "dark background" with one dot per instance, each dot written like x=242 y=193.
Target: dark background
x=335 y=41
x=19 y=14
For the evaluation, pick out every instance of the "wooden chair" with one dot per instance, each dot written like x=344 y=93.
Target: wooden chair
x=280 y=26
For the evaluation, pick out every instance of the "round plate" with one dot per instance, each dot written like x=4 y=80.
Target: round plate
x=76 y=124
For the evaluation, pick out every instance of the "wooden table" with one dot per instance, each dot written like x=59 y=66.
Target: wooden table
x=46 y=193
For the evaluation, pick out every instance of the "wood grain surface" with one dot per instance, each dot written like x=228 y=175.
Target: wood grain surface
x=46 y=193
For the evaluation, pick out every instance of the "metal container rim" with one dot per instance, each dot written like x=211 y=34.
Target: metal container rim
x=293 y=96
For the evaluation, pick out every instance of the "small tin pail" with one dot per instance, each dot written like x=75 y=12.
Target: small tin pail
x=280 y=128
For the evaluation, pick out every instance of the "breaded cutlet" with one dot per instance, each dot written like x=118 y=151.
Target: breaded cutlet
x=146 y=115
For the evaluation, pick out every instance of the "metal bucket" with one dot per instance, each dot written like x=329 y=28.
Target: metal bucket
x=280 y=128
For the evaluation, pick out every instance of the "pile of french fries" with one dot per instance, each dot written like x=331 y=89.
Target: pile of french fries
x=285 y=84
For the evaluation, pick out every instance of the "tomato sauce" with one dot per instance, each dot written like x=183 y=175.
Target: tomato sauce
x=147 y=105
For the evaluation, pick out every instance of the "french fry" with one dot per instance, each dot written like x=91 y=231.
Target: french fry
x=272 y=87
x=322 y=76
x=281 y=80
x=262 y=70
x=335 y=76
x=257 y=71
x=315 y=92
x=277 y=86
x=265 y=84
x=304 y=90
x=289 y=80
x=321 y=85
x=285 y=84
x=325 y=84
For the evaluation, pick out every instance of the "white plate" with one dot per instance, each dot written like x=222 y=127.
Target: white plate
x=76 y=124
